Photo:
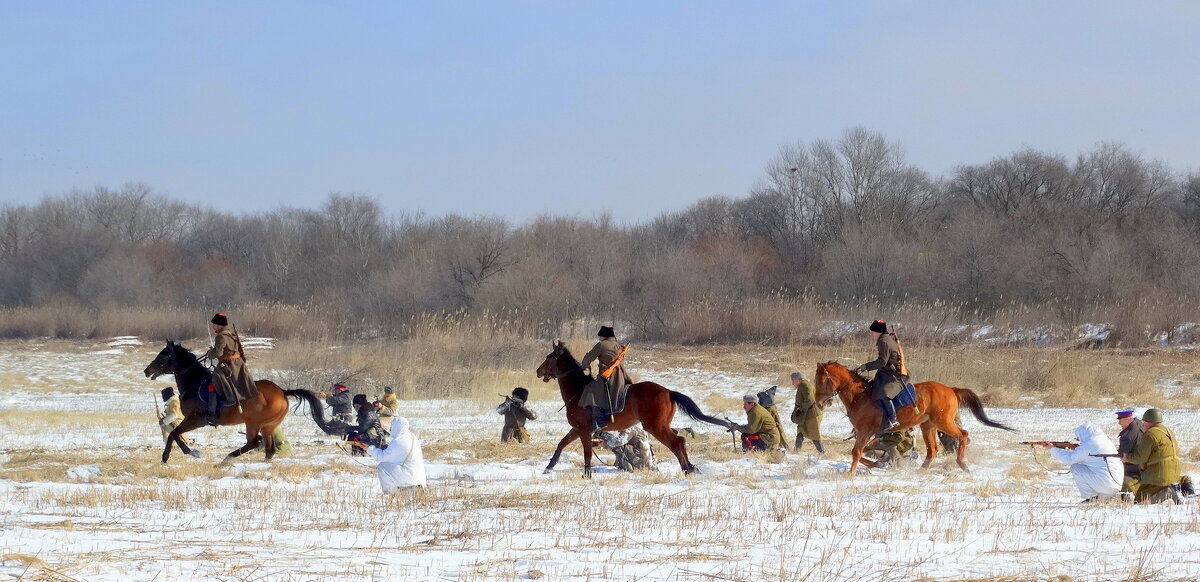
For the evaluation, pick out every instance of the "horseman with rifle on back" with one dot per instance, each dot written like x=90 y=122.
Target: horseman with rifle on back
x=231 y=381
x=891 y=372
x=598 y=396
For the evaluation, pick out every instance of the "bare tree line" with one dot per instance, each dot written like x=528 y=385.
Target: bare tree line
x=844 y=220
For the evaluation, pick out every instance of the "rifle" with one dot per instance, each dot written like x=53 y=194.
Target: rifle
x=157 y=410
x=1057 y=444
x=730 y=427
x=241 y=352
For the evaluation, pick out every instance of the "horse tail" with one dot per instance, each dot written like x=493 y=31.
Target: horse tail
x=318 y=410
x=971 y=399
x=690 y=408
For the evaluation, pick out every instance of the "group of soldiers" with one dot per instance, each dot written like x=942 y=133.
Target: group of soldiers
x=1147 y=453
x=1143 y=466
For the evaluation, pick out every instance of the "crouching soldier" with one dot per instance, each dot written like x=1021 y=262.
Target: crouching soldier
x=766 y=399
x=366 y=428
x=631 y=448
x=759 y=433
x=1157 y=455
x=515 y=413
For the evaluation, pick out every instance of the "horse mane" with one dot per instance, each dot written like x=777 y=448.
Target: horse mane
x=578 y=369
x=854 y=376
x=184 y=356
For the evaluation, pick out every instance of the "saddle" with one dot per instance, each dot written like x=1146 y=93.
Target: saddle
x=208 y=392
x=618 y=399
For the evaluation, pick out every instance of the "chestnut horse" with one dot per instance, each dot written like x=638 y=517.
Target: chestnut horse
x=937 y=405
x=261 y=413
x=646 y=402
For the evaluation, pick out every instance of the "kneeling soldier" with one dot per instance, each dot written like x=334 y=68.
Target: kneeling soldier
x=759 y=433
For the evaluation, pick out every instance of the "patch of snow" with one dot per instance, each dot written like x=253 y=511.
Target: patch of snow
x=83 y=473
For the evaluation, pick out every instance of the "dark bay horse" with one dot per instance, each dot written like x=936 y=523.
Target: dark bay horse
x=262 y=413
x=646 y=402
x=936 y=406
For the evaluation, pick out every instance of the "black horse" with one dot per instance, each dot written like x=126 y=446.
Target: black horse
x=261 y=413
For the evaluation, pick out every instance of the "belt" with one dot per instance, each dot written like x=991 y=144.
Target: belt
x=233 y=357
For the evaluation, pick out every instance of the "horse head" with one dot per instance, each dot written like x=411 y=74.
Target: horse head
x=557 y=363
x=164 y=362
x=834 y=379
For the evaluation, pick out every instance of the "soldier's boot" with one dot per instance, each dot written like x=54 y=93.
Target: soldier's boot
x=889 y=415
x=212 y=413
x=599 y=420
x=820 y=447
x=799 y=441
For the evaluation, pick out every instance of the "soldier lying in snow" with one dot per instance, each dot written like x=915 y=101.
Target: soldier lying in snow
x=631 y=448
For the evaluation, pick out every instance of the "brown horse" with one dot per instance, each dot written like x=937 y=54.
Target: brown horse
x=261 y=413
x=936 y=406
x=646 y=402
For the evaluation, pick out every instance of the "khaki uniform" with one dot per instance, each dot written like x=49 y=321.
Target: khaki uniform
x=605 y=353
x=231 y=378
x=1157 y=454
x=778 y=423
x=761 y=423
x=806 y=414
x=171 y=418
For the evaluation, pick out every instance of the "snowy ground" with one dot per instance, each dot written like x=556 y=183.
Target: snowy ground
x=85 y=498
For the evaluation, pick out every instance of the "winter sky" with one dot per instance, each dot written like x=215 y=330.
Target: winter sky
x=520 y=108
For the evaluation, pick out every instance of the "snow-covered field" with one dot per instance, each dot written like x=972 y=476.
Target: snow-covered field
x=85 y=498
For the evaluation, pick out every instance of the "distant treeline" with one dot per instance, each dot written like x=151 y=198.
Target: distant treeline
x=835 y=224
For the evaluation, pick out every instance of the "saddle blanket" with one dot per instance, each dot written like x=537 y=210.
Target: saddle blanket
x=906 y=396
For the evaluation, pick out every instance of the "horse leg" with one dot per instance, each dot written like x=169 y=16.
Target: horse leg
x=677 y=445
x=860 y=443
x=268 y=439
x=252 y=441
x=586 y=439
x=176 y=437
x=929 y=435
x=961 y=435
x=558 y=451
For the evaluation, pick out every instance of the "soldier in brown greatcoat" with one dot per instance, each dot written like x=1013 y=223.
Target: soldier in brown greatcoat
x=806 y=414
x=599 y=394
x=890 y=373
x=230 y=378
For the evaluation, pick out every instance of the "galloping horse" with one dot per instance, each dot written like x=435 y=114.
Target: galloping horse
x=936 y=406
x=261 y=413
x=646 y=402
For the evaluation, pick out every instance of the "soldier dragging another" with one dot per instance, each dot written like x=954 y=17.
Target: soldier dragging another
x=891 y=373
x=515 y=412
x=231 y=381
x=598 y=395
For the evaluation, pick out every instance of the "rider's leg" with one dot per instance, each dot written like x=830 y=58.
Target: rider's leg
x=889 y=414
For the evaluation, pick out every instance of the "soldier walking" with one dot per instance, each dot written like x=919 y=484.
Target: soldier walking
x=806 y=414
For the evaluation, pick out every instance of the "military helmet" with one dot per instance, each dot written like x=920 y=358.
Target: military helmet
x=1153 y=415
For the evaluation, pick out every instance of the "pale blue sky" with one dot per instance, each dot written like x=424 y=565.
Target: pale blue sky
x=518 y=108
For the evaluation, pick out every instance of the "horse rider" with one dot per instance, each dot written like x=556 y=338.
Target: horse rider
x=230 y=379
x=890 y=372
x=598 y=395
